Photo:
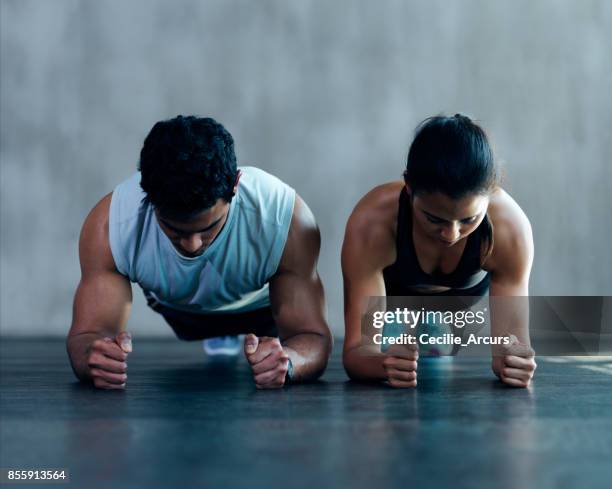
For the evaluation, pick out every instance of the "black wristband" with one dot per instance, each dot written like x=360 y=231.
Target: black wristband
x=289 y=374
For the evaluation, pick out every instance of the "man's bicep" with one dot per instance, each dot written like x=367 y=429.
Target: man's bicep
x=102 y=304
x=298 y=304
x=103 y=297
x=296 y=291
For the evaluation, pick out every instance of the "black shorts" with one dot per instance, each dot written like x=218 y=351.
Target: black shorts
x=190 y=326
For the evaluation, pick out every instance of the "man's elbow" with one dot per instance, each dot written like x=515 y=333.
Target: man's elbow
x=324 y=347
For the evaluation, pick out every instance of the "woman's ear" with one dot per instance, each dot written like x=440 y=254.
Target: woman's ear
x=407 y=186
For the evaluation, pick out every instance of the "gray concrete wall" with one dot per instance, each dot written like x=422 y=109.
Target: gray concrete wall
x=324 y=94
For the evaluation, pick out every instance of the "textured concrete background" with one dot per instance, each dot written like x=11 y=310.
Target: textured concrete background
x=323 y=94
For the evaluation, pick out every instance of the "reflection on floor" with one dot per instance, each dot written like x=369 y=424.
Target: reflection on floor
x=186 y=421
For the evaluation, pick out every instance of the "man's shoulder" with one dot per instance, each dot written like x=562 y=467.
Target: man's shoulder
x=96 y=222
x=94 y=243
x=127 y=198
x=125 y=210
x=262 y=177
x=264 y=195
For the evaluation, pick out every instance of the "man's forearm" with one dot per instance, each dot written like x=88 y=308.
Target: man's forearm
x=77 y=347
x=309 y=353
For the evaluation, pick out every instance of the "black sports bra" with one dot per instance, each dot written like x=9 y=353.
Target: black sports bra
x=405 y=274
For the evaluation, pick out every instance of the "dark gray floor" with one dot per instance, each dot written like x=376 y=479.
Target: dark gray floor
x=187 y=422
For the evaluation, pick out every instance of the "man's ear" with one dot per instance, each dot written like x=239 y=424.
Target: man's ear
x=238 y=175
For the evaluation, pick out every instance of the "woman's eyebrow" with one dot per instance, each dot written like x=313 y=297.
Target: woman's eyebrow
x=445 y=220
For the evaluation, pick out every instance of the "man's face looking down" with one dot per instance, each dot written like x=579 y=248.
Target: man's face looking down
x=191 y=237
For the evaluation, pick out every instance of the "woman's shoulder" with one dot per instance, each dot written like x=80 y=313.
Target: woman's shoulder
x=372 y=225
x=377 y=208
x=512 y=233
x=505 y=213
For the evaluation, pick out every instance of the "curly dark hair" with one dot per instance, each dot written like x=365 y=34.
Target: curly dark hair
x=187 y=164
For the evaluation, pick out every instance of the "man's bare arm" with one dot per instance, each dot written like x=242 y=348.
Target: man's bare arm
x=297 y=298
x=101 y=305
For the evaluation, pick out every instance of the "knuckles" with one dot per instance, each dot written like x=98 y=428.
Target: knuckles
x=101 y=384
x=402 y=384
x=276 y=346
x=404 y=377
x=272 y=347
x=276 y=383
x=263 y=380
x=97 y=373
x=392 y=362
x=97 y=350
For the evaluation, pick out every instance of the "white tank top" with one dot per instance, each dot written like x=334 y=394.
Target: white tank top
x=233 y=272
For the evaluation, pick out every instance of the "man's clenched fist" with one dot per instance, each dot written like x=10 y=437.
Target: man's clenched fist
x=515 y=364
x=107 y=361
x=269 y=362
x=401 y=365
